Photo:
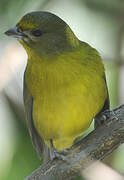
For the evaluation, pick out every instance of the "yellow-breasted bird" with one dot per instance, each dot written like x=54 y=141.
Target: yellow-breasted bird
x=64 y=81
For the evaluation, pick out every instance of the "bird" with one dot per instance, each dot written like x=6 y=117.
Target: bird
x=64 y=82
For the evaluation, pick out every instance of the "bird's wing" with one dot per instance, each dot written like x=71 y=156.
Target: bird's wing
x=105 y=107
x=36 y=139
x=39 y=145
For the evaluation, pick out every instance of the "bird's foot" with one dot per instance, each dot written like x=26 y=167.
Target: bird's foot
x=106 y=117
x=54 y=154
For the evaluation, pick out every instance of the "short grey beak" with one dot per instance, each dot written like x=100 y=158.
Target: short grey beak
x=11 y=32
x=14 y=33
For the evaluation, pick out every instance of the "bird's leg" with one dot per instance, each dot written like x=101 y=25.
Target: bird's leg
x=101 y=117
x=52 y=150
x=57 y=154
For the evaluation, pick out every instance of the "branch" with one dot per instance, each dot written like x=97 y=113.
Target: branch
x=98 y=144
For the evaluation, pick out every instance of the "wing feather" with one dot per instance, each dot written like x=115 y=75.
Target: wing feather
x=36 y=139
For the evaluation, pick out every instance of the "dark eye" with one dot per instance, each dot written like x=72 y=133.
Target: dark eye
x=37 y=33
x=19 y=29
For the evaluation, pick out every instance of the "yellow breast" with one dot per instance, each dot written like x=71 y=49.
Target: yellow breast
x=68 y=92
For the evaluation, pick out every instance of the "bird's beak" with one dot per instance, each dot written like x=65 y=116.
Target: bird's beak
x=14 y=33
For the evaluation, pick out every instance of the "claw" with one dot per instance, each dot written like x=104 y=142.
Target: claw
x=57 y=154
x=106 y=115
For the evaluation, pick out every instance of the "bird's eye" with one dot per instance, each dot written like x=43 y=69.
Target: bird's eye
x=37 y=33
x=19 y=29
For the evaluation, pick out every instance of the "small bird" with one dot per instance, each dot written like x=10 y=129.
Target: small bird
x=64 y=82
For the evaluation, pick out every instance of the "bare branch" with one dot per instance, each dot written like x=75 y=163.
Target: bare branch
x=95 y=146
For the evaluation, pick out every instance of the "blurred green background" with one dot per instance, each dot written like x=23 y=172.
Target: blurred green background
x=101 y=24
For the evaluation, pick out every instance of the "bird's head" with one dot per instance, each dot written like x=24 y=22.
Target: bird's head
x=43 y=33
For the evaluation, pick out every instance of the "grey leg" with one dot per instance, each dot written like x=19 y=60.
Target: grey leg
x=52 y=150
x=57 y=154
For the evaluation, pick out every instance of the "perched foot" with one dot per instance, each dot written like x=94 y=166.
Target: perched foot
x=57 y=154
x=104 y=117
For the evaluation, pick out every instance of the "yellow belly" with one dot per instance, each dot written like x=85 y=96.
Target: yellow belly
x=67 y=113
x=67 y=93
